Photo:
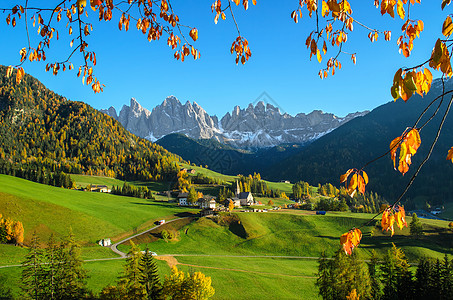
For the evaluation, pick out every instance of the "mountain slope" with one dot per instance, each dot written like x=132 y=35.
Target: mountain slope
x=365 y=138
x=41 y=130
x=223 y=158
x=257 y=126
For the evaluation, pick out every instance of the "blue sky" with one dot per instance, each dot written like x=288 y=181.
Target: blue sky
x=130 y=66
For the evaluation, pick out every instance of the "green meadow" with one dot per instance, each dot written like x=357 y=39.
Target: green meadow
x=91 y=216
x=241 y=257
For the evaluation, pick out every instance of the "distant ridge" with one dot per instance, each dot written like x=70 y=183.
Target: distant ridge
x=363 y=139
x=257 y=126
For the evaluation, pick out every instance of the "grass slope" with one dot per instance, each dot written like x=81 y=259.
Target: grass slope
x=91 y=216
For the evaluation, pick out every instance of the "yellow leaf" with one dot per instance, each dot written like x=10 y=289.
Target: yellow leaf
x=23 y=54
x=318 y=55
x=447 y=27
x=81 y=4
x=365 y=177
x=9 y=71
x=400 y=10
x=325 y=9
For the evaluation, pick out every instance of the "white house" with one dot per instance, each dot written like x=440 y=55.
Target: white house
x=236 y=201
x=100 y=189
x=207 y=203
x=182 y=199
x=105 y=243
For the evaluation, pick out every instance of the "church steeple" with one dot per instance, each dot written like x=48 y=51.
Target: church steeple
x=238 y=190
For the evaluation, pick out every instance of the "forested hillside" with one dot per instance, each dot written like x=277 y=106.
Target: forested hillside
x=43 y=132
x=366 y=138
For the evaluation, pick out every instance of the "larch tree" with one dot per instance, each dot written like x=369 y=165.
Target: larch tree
x=73 y=275
x=179 y=285
x=33 y=274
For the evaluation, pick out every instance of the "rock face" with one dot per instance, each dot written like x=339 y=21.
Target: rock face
x=256 y=126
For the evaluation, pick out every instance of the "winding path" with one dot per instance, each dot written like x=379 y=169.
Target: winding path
x=114 y=247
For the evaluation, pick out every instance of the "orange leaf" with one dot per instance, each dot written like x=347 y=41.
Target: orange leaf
x=194 y=34
x=401 y=217
x=350 y=240
x=19 y=75
x=388 y=219
x=361 y=184
x=450 y=154
x=393 y=148
x=345 y=175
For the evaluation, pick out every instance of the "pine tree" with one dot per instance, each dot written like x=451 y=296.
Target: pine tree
x=52 y=268
x=396 y=276
x=423 y=279
x=33 y=272
x=130 y=280
x=446 y=278
x=150 y=276
x=324 y=280
x=73 y=277
x=375 y=282
x=5 y=290
x=416 y=227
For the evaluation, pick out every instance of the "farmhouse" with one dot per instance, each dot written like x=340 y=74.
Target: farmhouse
x=236 y=201
x=100 y=189
x=182 y=199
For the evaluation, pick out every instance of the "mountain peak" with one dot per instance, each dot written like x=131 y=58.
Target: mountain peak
x=171 y=101
x=257 y=126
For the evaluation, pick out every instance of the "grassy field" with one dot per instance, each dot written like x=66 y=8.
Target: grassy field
x=256 y=278
x=209 y=173
x=85 y=180
x=299 y=233
x=91 y=216
x=284 y=187
x=283 y=233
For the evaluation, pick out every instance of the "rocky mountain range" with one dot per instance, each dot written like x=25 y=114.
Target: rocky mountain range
x=257 y=126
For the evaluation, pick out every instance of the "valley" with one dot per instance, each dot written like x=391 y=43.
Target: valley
x=279 y=249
